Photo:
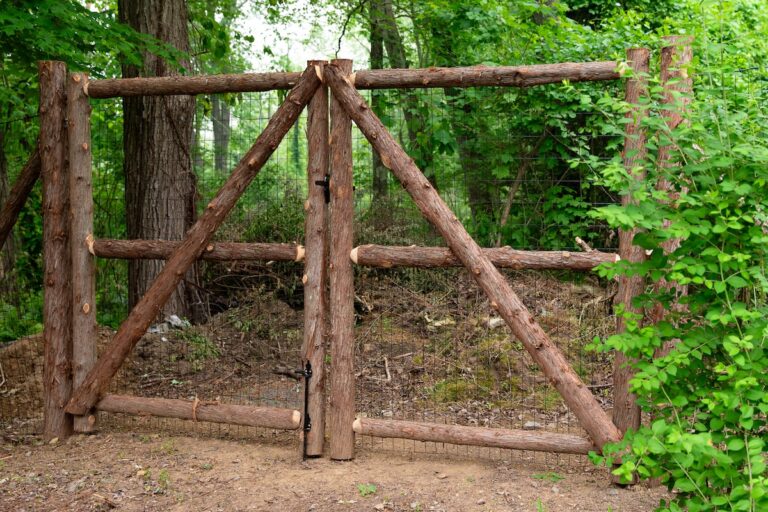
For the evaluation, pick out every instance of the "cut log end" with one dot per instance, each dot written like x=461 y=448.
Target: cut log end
x=300 y=253
x=357 y=426
x=353 y=255
x=296 y=419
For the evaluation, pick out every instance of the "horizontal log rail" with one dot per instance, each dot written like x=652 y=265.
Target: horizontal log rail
x=217 y=251
x=197 y=410
x=384 y=256
x=538 y=441
x=473 y=76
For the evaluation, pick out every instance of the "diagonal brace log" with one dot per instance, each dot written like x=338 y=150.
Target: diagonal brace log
x=18 y=195
x=134 y=327
x=554 y=365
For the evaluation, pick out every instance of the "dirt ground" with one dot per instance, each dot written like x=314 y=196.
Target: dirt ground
x=131 y=472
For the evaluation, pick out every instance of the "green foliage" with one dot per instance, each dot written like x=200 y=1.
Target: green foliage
x=708 y=395
x=366 y=490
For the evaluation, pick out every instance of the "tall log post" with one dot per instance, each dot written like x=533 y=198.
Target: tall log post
x=57 y=312
x=549 y=358
x=198 y=236
x=626 y=412
x=314 y=264
x=84 y=330
x=678 y=89
x=342 y=287
x=18 y=195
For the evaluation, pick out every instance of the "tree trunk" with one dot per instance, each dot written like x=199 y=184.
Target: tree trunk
x=220 y=116
x=157 y=134
x=7 y=249
x=380 y=173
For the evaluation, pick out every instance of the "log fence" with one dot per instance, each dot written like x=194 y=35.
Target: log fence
x=76 y=382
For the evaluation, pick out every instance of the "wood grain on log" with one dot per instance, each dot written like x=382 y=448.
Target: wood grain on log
x=195 y=243
x=549 y=358
x=214 y=251
x=18 y=195
x=384 y=256
x=57 y=307
x=84 y=332
x=341 y=276
x=475 y=436
x=314 y=264
x=197 y=410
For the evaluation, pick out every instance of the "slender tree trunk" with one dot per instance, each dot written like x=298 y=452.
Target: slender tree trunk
x=8 y=250
x=220 y=116
x=157 y=134
x=380 y=173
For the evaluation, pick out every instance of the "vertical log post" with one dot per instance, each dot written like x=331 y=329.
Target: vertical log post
x=626 y=413
x=503 y=299
x=314 y=264
x=678 y=88
x=57 y=317
x=342 y=292
x=81 y=231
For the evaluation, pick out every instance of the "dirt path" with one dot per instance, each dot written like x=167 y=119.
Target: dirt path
x=129 y=472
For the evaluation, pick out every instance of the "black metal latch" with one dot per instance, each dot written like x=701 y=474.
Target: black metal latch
x=306 y=373
x=326 y=184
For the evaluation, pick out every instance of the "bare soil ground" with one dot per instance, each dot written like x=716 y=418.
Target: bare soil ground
x=129 y=472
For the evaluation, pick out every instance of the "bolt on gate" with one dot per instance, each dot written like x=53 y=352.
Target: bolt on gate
x=75 y=381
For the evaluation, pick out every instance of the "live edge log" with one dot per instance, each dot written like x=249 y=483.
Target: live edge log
x=194 y=244
x=475 y=436
x=384 y=256
x=473 y=76
x=197 y=410
x=545 y=353
x=217 y=251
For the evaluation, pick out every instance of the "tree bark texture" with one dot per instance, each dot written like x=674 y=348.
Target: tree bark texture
x=380 y=173
x=215 y=251
x=199 y=410
x=18 y=195
x=84 y=330
x=386 y=256
x=315 y=232
x=626 y=412
x=160 y=183
x=342 y=286
x=194 y=244
x=57 y=307
x=220 y=117
x=678 y=89
x=503 y=299
x=420 y=78
x=475 y=436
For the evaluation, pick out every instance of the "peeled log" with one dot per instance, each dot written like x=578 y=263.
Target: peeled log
x=509 y=306
x=248 y=415
x=550 y=442
x=216 y=251
x=384 y=256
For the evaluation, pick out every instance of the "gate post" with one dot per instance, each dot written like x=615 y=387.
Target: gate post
x=342 y=287
x=626 y=412
x=314 y=264
x=57 y=318
x=84 y=331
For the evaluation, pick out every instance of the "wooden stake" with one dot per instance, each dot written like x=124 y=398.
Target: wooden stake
x=84 y=332
x=216 y=251
x=18 y=195
x=195 y=243
x=57 y=308
x=197 y=410
x=524 y=327
x=626 y=412
x=342 y=292
x=314 y=263
x=384 y=256
x=475 y=436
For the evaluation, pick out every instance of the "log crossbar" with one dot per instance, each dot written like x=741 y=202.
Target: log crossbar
x=503 y=299
x=474 y=76
x=197 y=410
x=217 y=251
x=383 y=256
x=512 y=439
x=193 y=245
